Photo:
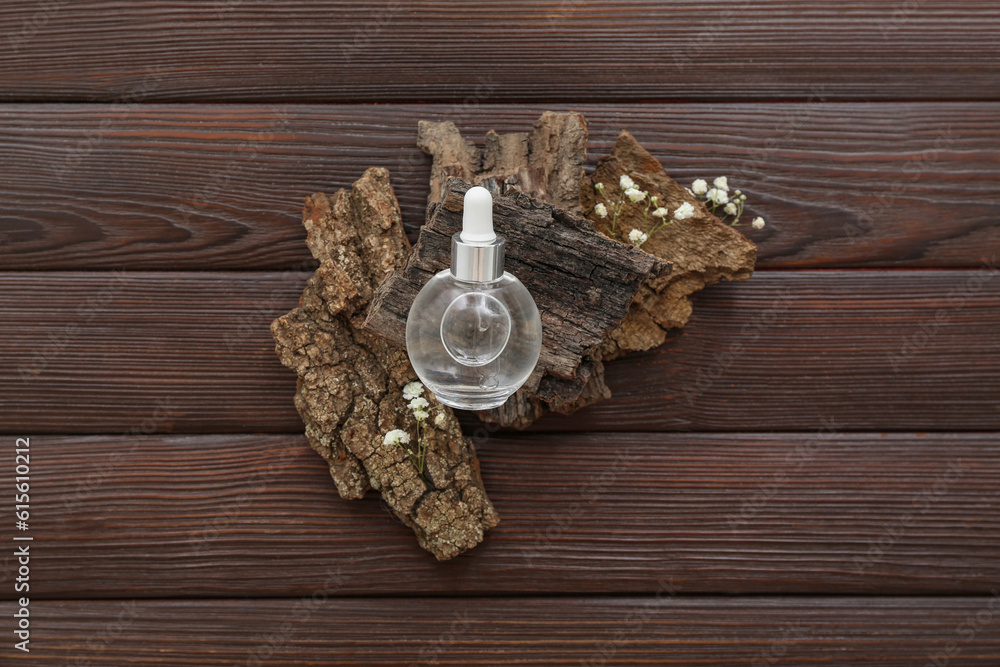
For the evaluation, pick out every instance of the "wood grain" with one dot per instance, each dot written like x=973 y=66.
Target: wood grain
x=622 y=50
x=173 y=352
x=167 y=187
x=227 y=515
x=117 y=352
x=503 y=631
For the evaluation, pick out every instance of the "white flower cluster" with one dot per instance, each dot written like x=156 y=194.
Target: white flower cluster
x=630 y=193
x=684 y=211
x=635 y=195
x=418 y=405
x=412 y=392
x=637 y=237
x=397 y=436
x=718 y=195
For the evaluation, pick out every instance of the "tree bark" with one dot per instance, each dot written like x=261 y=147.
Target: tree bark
x=548 y=164
x=702 y=249
x=581 y=280
x=350 y=382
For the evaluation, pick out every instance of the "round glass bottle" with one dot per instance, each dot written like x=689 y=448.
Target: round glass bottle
x=473 y=333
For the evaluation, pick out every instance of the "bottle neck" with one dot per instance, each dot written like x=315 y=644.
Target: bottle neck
x=477 y=263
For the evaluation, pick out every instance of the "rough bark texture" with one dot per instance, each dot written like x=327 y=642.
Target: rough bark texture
x=546 y=164
x=703 y=250
x=582 y=282
x=350 y=382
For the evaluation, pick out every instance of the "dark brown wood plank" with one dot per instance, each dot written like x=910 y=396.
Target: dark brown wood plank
x=184 y=353
x=223 y=516
x=221 y=187
x=522 y=50
x=117 y=352
x=854 y=350
x=503 y=631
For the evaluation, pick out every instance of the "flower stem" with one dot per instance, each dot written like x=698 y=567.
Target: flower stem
x=660 y=226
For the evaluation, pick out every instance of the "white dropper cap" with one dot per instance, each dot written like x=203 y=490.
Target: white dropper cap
x=477 y=253
x=477 y=217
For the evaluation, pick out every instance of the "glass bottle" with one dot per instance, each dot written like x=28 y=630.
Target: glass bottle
x=473 y=333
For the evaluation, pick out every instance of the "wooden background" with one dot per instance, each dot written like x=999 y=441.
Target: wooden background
x=828 y=495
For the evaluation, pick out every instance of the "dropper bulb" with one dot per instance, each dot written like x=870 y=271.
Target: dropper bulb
x=477 y=216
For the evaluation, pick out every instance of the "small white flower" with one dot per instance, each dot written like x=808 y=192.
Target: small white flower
x=412 y=390
x=660 y=212
x=418 y=404
x=743 y=197
x=637 y=238
x=653 y=199
x=699 y=187
x=721 y=183
x=758 y=223
x=440 y=420
x=730 y=209
x=601 y=210
x=396 y=437
x=684 y=211
x=625 y=182
x=635 y=195
x=599 y=187
x=420 y=415
x=717 y=196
